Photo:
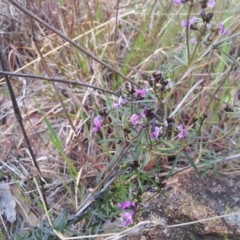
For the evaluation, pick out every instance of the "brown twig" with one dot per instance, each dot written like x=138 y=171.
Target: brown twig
x=52 y=79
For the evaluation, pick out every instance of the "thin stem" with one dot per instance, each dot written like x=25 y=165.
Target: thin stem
x=198 y=42
x=187 y=32
x=52 y=79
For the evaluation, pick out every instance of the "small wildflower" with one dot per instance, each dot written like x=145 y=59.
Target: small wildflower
x=211 y=3
x=97 y=122
x=120 y=103
x=176 y=2
x=222 y=30
x=189 y=24
x=169 y=84
x=126 y=204
x=183 y=133
x=144 y=112
x=128 y=218
x=155 y=133
x=140 y=93
x=193 y=41
x=134 y=119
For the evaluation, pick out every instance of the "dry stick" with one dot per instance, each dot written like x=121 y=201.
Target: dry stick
x=52 y=79
x=48 y=71
x=19 y=119
x=30 y=14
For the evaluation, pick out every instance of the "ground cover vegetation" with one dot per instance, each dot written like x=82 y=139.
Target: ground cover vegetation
x=114 y=97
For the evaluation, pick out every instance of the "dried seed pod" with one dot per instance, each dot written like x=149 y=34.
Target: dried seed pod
x=209 y=17
x=129 y=88
x=157 y=76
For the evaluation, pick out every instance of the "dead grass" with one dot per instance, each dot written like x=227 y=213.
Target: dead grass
x=75 y=162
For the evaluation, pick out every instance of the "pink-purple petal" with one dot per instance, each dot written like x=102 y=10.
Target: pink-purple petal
x=140 y=92
x=97 y=122
x=155 y=133
x=192 y=21
x=128 y=218
x=193 y=41
x=134 y=118
x=222 y=30
x=176 y=2
x=184 y=23
x=121 y=102
x=183 y=133
x=126 y=204
x=211 y=3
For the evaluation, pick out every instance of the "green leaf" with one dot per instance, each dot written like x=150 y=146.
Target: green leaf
x=61 y=221
x=57 y=143
x=191 y=163
x=173 y=166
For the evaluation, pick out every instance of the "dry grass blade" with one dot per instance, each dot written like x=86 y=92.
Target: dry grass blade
x=30 y=14
x=39 y=53
x=19 y=120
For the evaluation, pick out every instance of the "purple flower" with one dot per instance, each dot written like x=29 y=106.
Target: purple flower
x=222 y=30
x=183 y=133
x=193 y=41
x=134 y=119
x=121 y=102
x=140 y=92
x=97 y=122
x=128 y=218
x=144 y=112
x=176 y=2
x=155 y=133
x=192 y=21
x=169 y=85
x=211 y=3
x=126 y=204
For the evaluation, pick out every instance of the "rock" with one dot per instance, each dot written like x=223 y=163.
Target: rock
x=187 y=198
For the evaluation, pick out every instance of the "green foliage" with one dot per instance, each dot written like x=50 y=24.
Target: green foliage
x=57 y=143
